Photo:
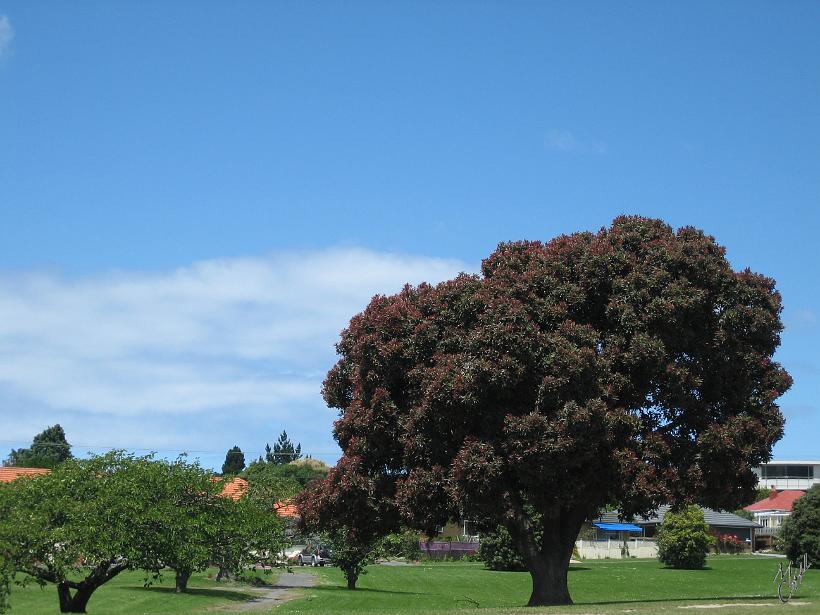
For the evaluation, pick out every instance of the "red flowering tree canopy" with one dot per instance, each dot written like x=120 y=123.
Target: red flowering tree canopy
x=632 y=366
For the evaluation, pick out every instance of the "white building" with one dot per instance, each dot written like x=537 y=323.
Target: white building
x=782 y=475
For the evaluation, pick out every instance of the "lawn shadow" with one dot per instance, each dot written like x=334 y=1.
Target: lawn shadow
x=710 y=599
x=223 y=594
x=364 y=590
x=570 y=569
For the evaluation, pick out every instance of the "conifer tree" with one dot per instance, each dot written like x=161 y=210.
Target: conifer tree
x=234 y=461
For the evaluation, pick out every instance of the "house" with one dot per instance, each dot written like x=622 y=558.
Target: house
x=720 y=523
x=788 y=475
x=236 y=488
x=11 y=473
x=233 y=488
x=286 y=509
x=771 y=512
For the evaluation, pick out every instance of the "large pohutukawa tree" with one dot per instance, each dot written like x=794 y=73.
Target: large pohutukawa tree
x=632 y=366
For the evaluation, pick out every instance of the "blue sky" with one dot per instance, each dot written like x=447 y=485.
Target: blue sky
x=195 y=198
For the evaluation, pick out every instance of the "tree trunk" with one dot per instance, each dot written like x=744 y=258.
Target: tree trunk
x=548 y=559
x=182 y=580
x=351 y=577
x=76 y=603
x=549 y=582
x=79 y=601
x=223 y=574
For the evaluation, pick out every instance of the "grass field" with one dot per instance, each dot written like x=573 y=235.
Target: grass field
x=125 y=595
x=602 y=587
x=608 y=586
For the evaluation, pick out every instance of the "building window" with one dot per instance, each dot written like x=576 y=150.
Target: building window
x=781 y=471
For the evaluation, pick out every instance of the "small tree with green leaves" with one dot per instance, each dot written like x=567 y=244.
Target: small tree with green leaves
x=302 y=471
x=352 y=552
x=249 y=529
x=6 y=575
x=179 y=529
x=76 y=527
x=800 y=532
x=684 y=538
x=48 y=448
x=498 y=551
x=234 y=461
x=401 y=544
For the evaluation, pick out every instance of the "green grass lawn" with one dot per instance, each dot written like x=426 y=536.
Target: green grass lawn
x=599 y=587
x=608 y=586
x=125 y=595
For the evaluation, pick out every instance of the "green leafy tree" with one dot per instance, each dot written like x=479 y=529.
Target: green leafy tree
x=6 y=572
x=234 y=461
x=283 y=450
x=745 y=514
x=252 y=531
x=180 y=528
x=77 y=527
x=302 y=471
x=249 y=530
x=498 y=552
x=800 y=532
x=634 y=359
x=684 y=538
x=48 y=448
x=763 y=493
x=350 y=552
x=403 y=544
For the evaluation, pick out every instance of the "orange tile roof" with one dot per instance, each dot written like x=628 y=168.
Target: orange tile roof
x=778 y=500
x=233 y=488
x=286 y=509
x=9 y=474
x=236 y=488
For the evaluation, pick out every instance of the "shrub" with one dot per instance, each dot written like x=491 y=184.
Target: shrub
x=727 y=543
x=401 y=544
x=498 y=552
x=684 y=539
x=800 y=533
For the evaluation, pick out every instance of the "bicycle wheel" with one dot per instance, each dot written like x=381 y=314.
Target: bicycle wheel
x=784 y=591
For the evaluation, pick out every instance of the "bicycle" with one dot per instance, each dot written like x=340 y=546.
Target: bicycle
x=790 y=580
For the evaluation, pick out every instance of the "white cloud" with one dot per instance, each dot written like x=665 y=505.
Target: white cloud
x=234 y=333
x=222 y=352
x=6 y=35
x=567 y=142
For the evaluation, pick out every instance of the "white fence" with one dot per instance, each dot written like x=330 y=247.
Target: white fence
x=616 y=549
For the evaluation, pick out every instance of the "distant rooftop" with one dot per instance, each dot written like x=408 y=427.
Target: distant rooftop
x=9 y=474
x=778 y=500
x=796 y=463
x=715 y=518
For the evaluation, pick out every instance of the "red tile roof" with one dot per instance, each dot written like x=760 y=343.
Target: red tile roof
x=236 y=488
x=233 y=488
x=778 y=500
x=286 y=509
x=11 y=473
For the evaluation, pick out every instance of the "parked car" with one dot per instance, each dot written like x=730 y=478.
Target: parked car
x=314 y=555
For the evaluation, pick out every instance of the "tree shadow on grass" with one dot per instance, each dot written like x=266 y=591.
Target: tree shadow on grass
x=772 y=599
x=222 y=594
x=362 y=590
x=570 y=569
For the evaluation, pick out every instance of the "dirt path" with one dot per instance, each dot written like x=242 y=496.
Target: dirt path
x=283 y=591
